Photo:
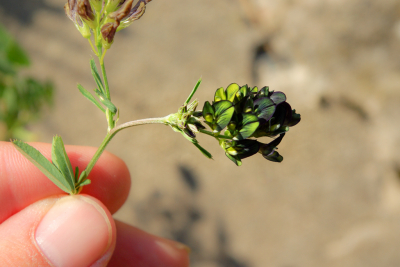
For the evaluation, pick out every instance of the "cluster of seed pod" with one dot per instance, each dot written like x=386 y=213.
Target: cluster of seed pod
x=245 y=114
x=104 y=18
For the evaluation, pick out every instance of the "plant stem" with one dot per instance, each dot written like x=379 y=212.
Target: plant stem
x=98 y=153
x=113 y=132
x=125 y=125
x=109 y=114
x=212 y=134
x=94 y=50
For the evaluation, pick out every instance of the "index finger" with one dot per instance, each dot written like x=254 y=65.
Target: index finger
x=22 y=184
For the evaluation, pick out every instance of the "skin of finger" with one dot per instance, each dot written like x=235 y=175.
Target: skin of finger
x=17 y=236
x=140 y=249
x=22 y=183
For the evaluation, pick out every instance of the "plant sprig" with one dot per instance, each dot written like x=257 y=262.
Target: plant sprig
x=236 y=117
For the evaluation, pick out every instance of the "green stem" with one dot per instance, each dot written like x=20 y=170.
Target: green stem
x=98 y=153
x=163 y=120
x=113 y=132
x=109 y=114
x=94 y=50
x=213 y=135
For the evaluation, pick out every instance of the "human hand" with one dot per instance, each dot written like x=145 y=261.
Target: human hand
x=42 y=226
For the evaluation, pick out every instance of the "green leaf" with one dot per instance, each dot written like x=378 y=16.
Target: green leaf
x=219 y=95
x=205 y=152
x=44 y=165
x=85 y=182
x=82 y=177
x=89 y=96
x=105 y=101
x=13 y=52
x=17 y=55
x=5 y=38
x=223 y=113
x=61 y=161
x=6 y=67
x=76 y=174
x=96 y=76
x=231 y=91
x=193 y=91
x=250 y=124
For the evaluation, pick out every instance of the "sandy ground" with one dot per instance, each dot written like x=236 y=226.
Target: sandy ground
x=333 y=201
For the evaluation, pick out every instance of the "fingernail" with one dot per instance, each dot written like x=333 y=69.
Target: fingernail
x=75 y=232
x=173 y=249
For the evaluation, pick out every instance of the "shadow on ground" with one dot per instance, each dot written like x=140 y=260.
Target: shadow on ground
x=180 y=222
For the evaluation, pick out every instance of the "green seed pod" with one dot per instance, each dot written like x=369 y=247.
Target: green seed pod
x=85 y=31
x=275 y=127
x=228 y=134
x=248 y=110
x=209 y=117
x=232 y=126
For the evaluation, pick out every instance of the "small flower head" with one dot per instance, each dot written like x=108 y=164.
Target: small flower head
x=121 y=15
x=244 y=115
x=108 y=17
x=237 y=118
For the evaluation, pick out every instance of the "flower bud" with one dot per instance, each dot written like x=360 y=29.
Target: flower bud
x=108 y=32
x=71 y=12
x=189 y=133
x=135 y=14
x=192 y=106
x=85 y=10
x=193 y=128
x=121 y=13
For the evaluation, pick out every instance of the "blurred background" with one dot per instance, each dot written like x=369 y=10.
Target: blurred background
x=333 y=201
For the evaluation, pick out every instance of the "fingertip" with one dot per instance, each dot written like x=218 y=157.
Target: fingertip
x=77 y=231
x=59 y=231
x=135 y=247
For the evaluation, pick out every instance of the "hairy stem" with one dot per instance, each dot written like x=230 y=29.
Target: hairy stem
x=113 y=132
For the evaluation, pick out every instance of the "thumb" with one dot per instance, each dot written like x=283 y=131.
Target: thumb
x=60 y=231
